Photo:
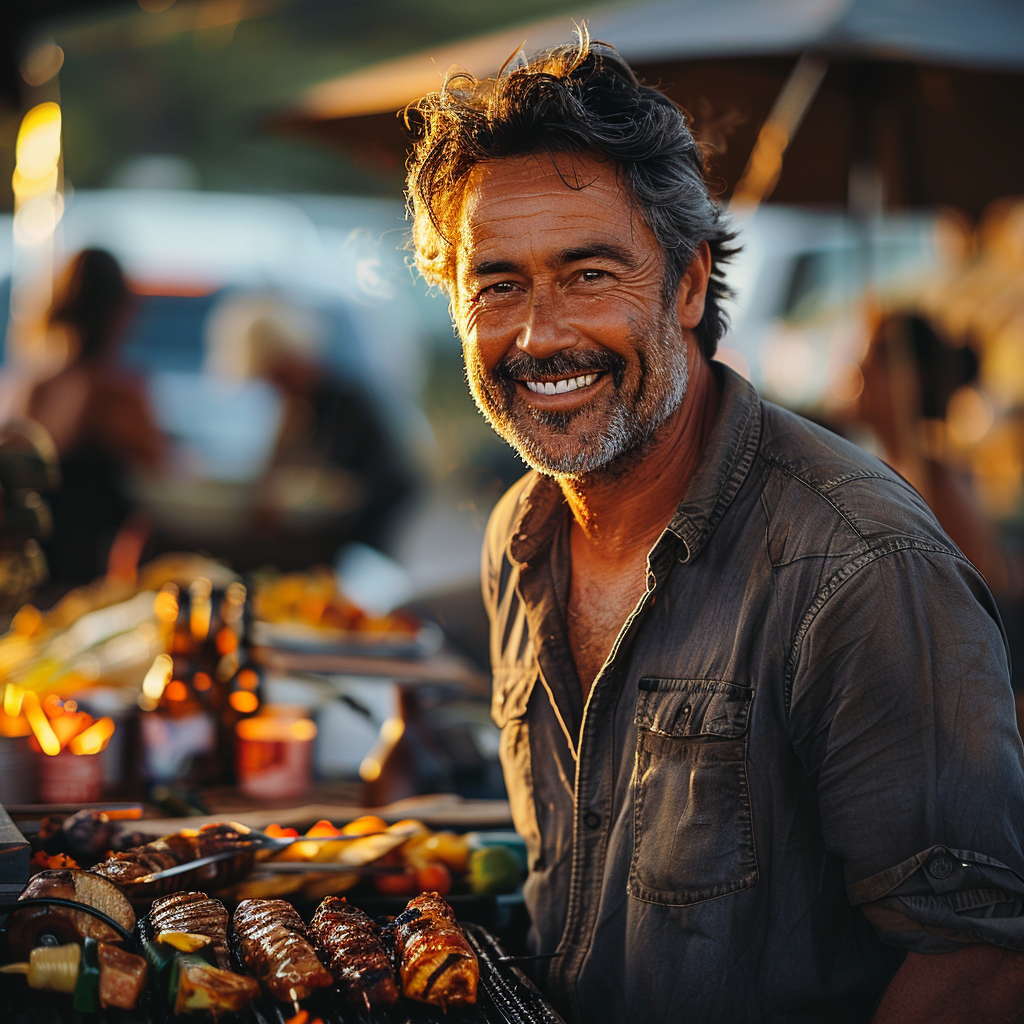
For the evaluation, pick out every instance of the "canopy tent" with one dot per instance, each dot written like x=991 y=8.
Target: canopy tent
x=923 y=92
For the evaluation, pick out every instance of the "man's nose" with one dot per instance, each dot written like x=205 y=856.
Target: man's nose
x=545 y=330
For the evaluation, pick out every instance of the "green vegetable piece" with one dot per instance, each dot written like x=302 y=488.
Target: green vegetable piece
x=493 y=870
x=88 y=984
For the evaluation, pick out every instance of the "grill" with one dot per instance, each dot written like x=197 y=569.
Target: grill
x=505 y=996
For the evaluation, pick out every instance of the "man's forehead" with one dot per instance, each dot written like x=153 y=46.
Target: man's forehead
x=567 y=188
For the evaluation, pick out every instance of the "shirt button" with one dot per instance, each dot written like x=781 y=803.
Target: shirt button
x=591 y=819
x=940 y=866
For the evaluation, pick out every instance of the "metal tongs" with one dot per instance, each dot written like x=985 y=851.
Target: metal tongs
x=260 y=841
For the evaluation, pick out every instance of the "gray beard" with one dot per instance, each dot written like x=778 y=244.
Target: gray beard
x=617 y=445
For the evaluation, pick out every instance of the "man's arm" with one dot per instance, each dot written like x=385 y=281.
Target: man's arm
x=975 y=985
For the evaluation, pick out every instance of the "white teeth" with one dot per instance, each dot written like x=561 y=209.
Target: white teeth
x=560 y=387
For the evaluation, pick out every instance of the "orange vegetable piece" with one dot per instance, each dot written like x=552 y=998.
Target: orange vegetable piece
x=434 y=877
x=322 y=829
x=364 y=825
x=399 y=884
x=281 y=833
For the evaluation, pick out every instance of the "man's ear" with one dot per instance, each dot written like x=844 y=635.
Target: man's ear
x=693 y=287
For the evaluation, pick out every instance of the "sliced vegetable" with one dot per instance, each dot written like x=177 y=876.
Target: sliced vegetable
x=54 y=968
x=199 y=986
x=88 y=983
x=184 y=942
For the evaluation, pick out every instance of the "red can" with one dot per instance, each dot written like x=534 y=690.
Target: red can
x=274 y=756
x=68 y=778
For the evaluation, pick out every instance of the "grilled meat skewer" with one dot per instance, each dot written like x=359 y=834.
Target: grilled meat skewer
x=435 y=961
x=125 y=868
x=354 y=953
x=272 y=945
x=197 y=914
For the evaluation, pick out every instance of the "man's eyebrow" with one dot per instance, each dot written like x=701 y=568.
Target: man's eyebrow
x=598 y=251
x=488 y=267
x=576 y=254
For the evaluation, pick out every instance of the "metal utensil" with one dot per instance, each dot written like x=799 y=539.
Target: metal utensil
x=260 y=841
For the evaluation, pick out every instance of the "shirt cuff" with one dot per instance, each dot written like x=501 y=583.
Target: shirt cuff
x=942 y=899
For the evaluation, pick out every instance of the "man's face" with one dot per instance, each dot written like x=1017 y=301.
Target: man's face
x=570 y=351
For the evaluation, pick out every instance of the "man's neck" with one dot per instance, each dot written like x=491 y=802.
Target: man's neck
x=614 y=516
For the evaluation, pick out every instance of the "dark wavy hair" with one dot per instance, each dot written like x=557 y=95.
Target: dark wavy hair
x=91 y=298
x=577 y=98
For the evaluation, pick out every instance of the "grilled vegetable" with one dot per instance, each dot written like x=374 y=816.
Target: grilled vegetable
x=272 y=945
x=88 y=978
x=27 y=927
x=197 y=914
x=198 y=986
x=354 y=952
x=54 y=968
x=184 y=942
x=94 y=969
x=435 y=961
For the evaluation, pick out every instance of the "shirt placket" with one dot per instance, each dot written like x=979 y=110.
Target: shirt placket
x=594 y=794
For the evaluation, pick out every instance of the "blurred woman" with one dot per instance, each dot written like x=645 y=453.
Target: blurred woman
x=98 y=415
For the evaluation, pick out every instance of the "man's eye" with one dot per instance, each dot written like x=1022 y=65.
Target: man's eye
x=501 y=288
x=589 y=276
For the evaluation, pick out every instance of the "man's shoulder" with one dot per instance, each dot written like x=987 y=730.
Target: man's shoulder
x=503 y=523
x=818 y=485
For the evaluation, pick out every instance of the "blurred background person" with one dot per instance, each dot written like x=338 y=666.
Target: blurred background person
x=335 y=474
x=910 y=373
x=97 y=414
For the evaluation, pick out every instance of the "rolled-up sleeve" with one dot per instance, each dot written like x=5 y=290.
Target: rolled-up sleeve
x=902 y=714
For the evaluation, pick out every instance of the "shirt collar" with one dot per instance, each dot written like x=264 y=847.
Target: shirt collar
x=728 y=455
x=727 y=458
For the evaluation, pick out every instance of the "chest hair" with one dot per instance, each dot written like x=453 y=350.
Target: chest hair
x=599 y=603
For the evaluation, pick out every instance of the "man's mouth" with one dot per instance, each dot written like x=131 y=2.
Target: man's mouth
x=561 y=386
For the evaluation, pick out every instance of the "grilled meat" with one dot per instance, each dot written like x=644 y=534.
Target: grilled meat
x=125 y=868
x=122 y=977
x=197 y=914
x=354 y=952
x=272 y=945
x=25 y=927
x=435 y=961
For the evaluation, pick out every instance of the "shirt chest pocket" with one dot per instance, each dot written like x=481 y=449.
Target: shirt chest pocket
x=692 y=831
x=509 y=702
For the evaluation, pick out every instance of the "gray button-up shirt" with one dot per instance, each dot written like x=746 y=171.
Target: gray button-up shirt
x=798 y=761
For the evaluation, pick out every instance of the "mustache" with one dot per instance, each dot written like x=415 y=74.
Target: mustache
x=522 y=366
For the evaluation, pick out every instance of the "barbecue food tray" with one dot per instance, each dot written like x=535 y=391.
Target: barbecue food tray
x=504 y=996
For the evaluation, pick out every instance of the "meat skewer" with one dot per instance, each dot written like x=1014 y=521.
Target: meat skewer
x=186 y=928
x=272 y=945
x=436 y=963
x=354 y=953
x=128 y=868
x=194 y=913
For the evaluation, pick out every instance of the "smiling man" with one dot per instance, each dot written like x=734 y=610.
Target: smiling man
x=756 y=722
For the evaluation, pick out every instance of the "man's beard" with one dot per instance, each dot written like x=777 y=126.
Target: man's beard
x=605 y=434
